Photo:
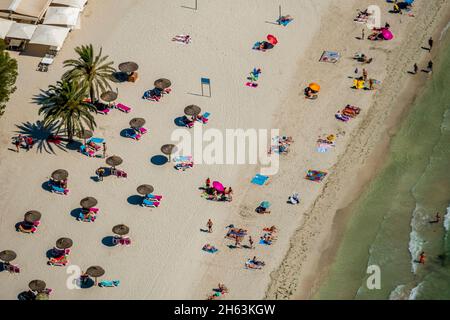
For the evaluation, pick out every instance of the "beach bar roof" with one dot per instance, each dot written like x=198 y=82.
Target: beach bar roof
x=79 y=4
x=63 y=16
x=23 y=31
x=50 y=36
x=24 y=9
x=5 y=25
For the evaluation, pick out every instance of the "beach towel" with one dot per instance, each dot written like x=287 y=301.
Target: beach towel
x=330 y=56
x=264 y=242
x=314 y=175
x=109 y=284
x=259 y=179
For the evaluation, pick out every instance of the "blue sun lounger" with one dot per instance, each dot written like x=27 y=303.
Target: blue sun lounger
x=259 y=179
x=96 y=140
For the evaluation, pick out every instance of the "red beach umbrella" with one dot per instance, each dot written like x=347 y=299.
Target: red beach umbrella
x=272 y=39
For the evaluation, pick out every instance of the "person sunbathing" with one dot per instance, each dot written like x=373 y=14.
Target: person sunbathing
x=272 y=229
x=294 y=199
x=264 y=45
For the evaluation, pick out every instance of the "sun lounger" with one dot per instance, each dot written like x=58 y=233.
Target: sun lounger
x=26 y=229
x=11 y=268
x=122 y=241
x=143 y=130
x=60 y=261
x=120 y=174
x=86 y=218
x=259 y=179
x=133 y=135
x=153 y=197
x=150 y=204
x=59 y=190
x=109 y=284
x=86 y=152
x=60 y=252
x=123 y=108
x=182 y=159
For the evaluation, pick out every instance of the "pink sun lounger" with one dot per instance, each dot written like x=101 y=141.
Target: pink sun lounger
x=123 y=108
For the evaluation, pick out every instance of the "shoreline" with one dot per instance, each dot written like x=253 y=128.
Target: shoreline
x=313 y=269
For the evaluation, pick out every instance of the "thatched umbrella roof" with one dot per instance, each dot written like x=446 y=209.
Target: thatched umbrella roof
x=145 y=189
x=192 y=110
x=114 y=161
x=37 y=285
x=128 y=67
x=109 y=96
x=64 y=243
x=137 y=123
x=8 y=255
x=95 y=271
x=162 y=83
x=60 y=175
x=32 y=216
x=121 y=229
x=88 y=202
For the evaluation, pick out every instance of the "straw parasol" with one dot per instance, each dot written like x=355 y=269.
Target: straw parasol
x=121 y=229
x=64 y=243
x=37 y=285
x=128 y=67
x=168 y=149
x=95 y=271
x=162 y=83
x=145 y=189
x=32 y=216
x=88 y=202
x=192 y=110
x=8 y=255
x=114 y=161
x=137 y=123
x=109 y=96
x=60 y=175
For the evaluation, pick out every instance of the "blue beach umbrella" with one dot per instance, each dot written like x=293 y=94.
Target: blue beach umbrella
x=265 y=204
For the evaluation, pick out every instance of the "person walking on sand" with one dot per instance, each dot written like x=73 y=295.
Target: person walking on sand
x=208 y=183
x=209 y=224
x=430 y=43
x=100 y=173
x=17 y=143
x=422 y=257
x=430 y=66
x=104 y=149
x=365 y=74
x=250 y=241
x=437 y=218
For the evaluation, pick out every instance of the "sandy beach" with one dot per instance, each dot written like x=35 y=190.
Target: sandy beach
x=165 y=260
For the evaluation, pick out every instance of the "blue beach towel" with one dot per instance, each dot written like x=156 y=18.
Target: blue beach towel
x=96 y=140
x=259 y=179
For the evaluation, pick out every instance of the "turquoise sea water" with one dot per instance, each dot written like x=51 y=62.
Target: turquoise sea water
x=390 y=223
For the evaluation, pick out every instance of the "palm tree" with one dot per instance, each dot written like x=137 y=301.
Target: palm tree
x=8 y=76
x=92 y=72
x=63 y=105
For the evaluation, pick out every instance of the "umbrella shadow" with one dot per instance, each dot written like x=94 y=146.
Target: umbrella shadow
x=119 y=77
x=41 y=134
x=125 y=133
x=85 y=283
x=159 y=160
x=26 y=296
x=46 y=186
x=180 y=121
x=49 y=254
x=76 y=212
x=108 y=241
x=2 y=267
x=135 y=200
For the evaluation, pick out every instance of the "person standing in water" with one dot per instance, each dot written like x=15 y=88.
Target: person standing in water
x=430 y=43
x=416 y=68
x=430 y=66
x=422 y=258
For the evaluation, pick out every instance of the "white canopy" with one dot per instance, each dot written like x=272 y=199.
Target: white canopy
x=64 y=16
x=50 y=36
x=71 y=3
x=22 y=31
x=5 y=25
x=25 y=9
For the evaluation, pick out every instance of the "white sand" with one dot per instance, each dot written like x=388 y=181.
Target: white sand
x=165 y=259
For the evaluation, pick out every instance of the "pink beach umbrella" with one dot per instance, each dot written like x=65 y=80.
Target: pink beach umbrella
x=387 y=34
x=218 y=186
